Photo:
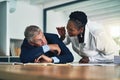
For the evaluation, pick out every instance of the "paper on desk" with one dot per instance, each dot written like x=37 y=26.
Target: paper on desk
x=72 y=64
x=96 y=64
x=41 y=64
x=67 y=64
x=48 y=64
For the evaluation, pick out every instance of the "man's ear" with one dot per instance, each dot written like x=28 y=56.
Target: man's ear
x=31 y=43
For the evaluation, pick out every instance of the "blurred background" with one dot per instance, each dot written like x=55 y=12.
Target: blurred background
x=15 y=15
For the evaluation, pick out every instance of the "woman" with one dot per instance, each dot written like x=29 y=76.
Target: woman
x=88 y=39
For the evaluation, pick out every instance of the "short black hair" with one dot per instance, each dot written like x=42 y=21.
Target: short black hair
x=80 y=16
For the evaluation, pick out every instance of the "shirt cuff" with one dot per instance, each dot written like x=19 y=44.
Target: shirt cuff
x=55 y=60
x=91 y=59
x=46 y=48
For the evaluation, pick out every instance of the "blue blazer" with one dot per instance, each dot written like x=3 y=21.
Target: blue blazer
x=29 y=53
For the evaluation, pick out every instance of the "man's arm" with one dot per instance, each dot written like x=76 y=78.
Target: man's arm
x=65 y=55
x=29 y=53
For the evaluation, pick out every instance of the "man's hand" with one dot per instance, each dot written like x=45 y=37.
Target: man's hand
x=55 y=48
x=43 y=59
x=84 y=60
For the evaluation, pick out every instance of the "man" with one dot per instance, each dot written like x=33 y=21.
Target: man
x=43 y=47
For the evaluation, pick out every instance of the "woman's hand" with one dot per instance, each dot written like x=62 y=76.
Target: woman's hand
x=84 y=60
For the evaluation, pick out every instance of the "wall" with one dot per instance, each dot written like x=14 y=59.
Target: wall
x=13 y=23
x=25 y=14
x=55 y=19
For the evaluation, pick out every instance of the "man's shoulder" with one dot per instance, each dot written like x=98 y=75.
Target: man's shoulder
x=51 y=34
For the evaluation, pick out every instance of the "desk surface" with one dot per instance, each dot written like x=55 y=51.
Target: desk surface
x=59 y=72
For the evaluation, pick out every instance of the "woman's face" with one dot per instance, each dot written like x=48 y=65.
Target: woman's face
x=72 y=29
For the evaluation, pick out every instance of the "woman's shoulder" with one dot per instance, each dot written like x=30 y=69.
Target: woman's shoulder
x=94 y=27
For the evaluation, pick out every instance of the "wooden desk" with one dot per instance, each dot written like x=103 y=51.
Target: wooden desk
x=65 y=72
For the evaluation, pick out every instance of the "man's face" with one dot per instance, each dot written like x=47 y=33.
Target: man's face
x=39 y=40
